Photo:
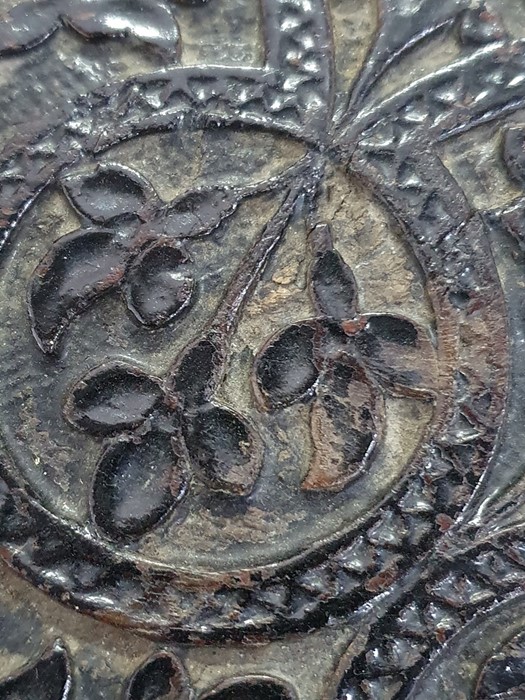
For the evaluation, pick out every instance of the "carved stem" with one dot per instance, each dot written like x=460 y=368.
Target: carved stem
x=301 y=183
x=252 y=266
x=299 y=48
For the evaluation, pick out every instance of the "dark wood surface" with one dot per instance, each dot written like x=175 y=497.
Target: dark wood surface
x=261 y=331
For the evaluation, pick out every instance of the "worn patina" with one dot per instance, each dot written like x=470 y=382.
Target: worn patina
x=261 y=319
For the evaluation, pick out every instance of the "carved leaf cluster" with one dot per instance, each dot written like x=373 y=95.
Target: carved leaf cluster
x=158 y=433
x=342 y=362
x=402 y=26
x=129 y=241
x=153 y=436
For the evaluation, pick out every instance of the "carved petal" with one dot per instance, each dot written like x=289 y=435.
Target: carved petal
x=112 y=398
x=514 y=153
x=156 y=290
x=333 y=286
x=252 y=688
x=193 y=374
x=26 y=25
x=137 y=483
x=346 y=421
x=399 y=353
x=150 y=21
x=109 y=192
x=225 y=450
x=48 y=679
x=198 y=213
x=160 y=678
x=285 y=371
x=78 y=269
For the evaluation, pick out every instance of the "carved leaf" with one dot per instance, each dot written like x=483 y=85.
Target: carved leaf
x=48 y=679
x=346 y=422
x=26 y=25
x=514 y=153
x=160 y=678
x=225 y=450
x=138 y=481
x=109 y=192
x=253 y=688
x=399 y=353
x=200 y=212
x=78 y=269
x=150 y=21
x=156 y=291
x=403 y=23
x=112 y=398
x=333 y=286
x=464 y=89
x=193 y=375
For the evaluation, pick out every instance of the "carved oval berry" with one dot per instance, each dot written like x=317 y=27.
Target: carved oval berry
x=253 y=688
x=156 y=290
x=112 y=398
x=285 y=371
x=137 y=483
x=161 y=677
x=225 y=450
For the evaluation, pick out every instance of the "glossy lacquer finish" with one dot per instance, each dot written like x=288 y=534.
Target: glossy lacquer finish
x=261 y=320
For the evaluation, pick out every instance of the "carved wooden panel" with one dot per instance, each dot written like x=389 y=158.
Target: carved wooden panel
x=261 y=327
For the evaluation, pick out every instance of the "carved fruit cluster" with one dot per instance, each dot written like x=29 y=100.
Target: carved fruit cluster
x=129 y=240
x=159 y=432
